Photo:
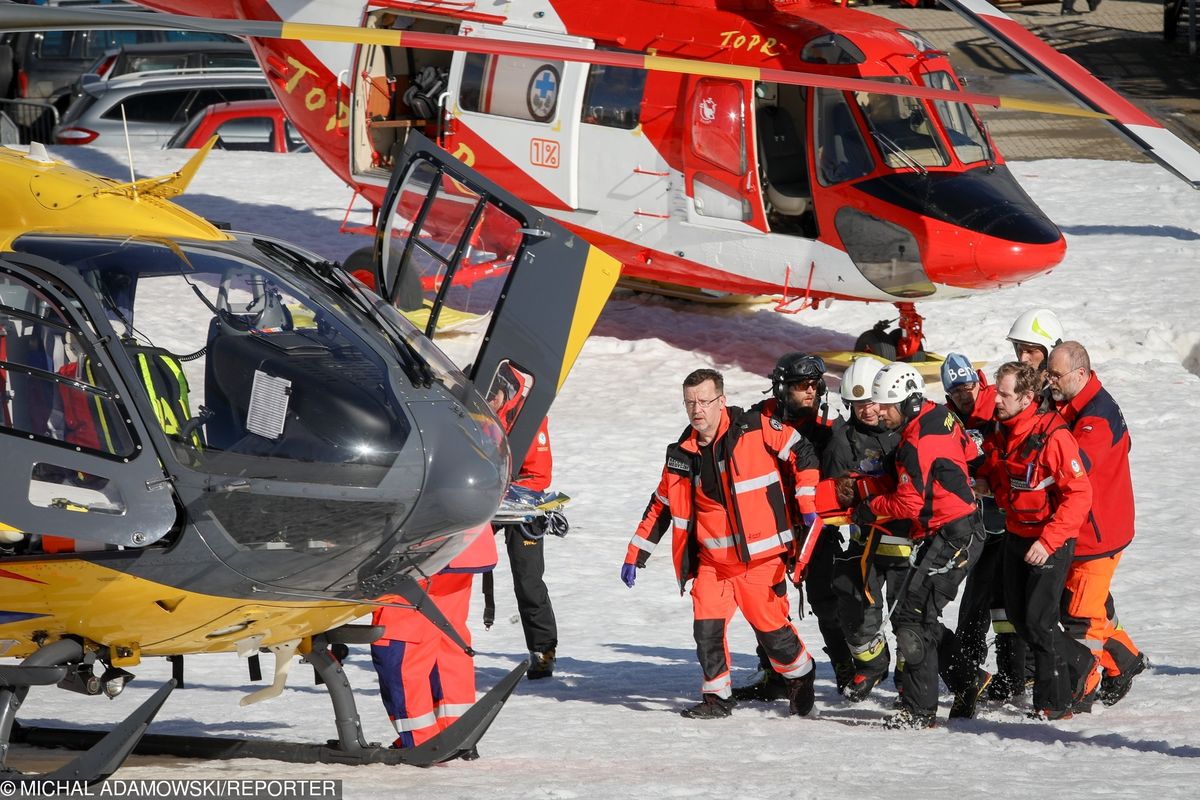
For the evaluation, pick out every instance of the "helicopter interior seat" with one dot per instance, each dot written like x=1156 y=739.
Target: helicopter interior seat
x=31 y=400
x=424 y=90
x=849 y=158
x=785 y=161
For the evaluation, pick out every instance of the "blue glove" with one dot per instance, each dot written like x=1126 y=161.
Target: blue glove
x=629 y=574
x=808 y=519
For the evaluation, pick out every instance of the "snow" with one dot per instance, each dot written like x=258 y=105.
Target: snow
x=606 y=724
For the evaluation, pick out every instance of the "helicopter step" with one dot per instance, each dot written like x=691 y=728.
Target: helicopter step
x=454 y=742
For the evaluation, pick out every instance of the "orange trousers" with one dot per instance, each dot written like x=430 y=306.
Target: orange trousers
x=426 y=681
x=1089 y=616
x=759 y=590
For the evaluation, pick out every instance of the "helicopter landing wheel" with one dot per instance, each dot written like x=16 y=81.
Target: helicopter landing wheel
x=900 y=344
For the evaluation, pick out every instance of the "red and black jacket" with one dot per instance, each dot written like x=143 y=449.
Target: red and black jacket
x=932 y=486
x=1099 y=428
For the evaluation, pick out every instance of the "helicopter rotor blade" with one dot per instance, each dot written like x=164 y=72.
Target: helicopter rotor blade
x=1141 y=130
x=21 y=17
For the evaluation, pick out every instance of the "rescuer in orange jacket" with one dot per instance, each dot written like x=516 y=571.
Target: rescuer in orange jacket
x=933 y=491
x=1035 y=471
x=426 y=681
x=1099 y=427
x=722 y=493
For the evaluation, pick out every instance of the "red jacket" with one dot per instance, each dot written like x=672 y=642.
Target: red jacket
x=1037 y=477
x=753 y=520
x=1103 y=437
x=932 y=487
x=538 y=467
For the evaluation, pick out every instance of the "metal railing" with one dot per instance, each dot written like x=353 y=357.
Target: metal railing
x=35 y=119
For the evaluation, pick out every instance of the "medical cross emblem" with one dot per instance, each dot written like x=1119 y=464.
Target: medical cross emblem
x=543 y=93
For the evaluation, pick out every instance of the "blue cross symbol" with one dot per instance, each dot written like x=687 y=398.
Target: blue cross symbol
x=545 y=83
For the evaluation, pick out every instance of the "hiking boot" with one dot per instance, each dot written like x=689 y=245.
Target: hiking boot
x=1003 y=689
x=965 y=702
x=541 y=665
x=843 y=674
x=860 y=687
x=801 y=693
x=711 y=707
x=1113 y=688
x=907 y=719
x=1049 y=714
x=769 y=687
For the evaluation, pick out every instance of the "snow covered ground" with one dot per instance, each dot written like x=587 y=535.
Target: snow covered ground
x=606 y=724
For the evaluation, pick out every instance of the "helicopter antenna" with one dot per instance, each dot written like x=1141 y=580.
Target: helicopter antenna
x=129 y=151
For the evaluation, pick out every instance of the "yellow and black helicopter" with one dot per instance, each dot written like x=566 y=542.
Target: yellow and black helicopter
x=218 y=442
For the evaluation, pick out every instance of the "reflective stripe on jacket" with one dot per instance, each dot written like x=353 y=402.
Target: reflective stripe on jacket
x=754 y=452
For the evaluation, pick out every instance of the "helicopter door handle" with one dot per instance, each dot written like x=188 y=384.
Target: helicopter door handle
x=237 y=485
x=640 y=171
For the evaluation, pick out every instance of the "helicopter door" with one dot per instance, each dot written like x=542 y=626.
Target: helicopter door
x=507 y=292
x=77 y=467
x=717 y=161
x=526 y=109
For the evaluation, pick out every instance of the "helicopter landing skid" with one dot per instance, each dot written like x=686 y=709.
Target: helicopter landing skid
x=456 y=741
x=105 y=752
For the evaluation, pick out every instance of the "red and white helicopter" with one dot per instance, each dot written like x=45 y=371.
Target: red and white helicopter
x=787 y=147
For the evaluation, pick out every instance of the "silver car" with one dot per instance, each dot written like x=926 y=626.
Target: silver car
x=153 y=105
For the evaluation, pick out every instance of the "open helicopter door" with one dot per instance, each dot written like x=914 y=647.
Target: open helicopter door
x=504 y=290
x=77 y=462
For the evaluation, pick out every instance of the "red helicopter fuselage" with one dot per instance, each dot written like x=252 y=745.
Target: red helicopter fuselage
x=701 y=180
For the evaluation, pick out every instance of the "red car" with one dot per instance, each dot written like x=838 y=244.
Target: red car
x=242 y=125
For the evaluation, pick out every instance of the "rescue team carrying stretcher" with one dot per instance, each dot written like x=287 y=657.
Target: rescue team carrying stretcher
x=1017 y=491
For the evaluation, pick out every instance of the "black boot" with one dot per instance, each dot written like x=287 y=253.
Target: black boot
x=966 y=700
x=768 y=687
x=711 y=707
x=1114 y=688
x=542 y=665
x=802 y=693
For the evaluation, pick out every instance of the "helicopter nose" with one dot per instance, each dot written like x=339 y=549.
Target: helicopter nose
x=1004 y=259
x=466 y=470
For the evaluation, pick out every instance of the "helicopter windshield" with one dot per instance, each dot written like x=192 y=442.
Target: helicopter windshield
x=902 y=129
x=962 y=128
x=251 y=369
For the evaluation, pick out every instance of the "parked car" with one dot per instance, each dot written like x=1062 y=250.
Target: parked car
x=155 y=105
x=42 y=65
x=161 y=56
x=242 y=125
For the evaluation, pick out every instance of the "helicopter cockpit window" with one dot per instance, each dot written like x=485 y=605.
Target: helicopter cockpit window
x=244 y=355
x=842 y=153
x=510 y=86
x=613 y=96
x=832 y=48
x=902 y=130
x=962 y=127
x=55 y=486
x=53 y=386
x=456 y=257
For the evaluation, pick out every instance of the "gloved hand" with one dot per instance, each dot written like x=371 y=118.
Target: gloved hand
x=629 y=574
x=863 y=516
x=808 y=519
x=847 y=491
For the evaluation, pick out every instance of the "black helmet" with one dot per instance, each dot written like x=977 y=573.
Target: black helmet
x=796 y=367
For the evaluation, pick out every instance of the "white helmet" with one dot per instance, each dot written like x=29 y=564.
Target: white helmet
x=857 y=380
x=896 y=383
x=1037 y=326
